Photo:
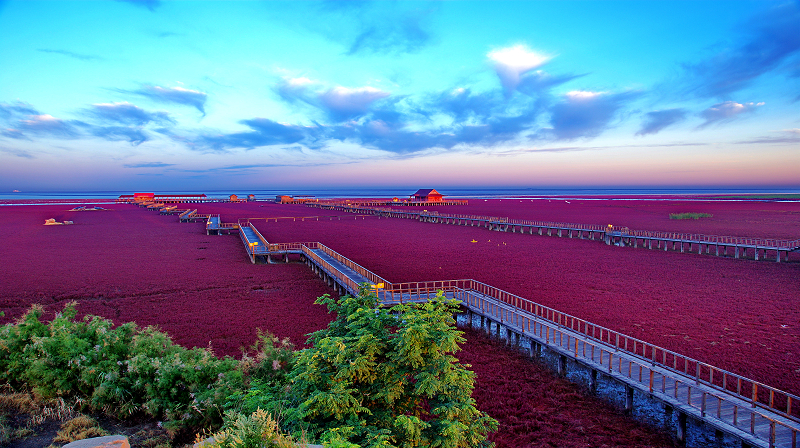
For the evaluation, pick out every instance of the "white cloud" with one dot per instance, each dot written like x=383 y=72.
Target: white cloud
x=582 y=95
x=299 y=82
x=511 y=62
x=727 y=111
x=44 y=118
x=346 y=100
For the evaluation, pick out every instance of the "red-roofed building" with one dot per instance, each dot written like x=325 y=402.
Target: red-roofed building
x=427 y=195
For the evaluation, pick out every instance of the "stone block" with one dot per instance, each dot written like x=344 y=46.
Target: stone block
x=115 y=441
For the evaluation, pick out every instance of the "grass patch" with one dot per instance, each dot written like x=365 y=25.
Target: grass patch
x=79 y=428
x=689 y=215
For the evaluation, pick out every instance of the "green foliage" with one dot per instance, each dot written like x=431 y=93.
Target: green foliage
x=689 y=215
x=375 y=377
x=257 y=430
x=120 y=370
x=266 y=367
x=387 y=377
x=269 y=359
x=14 y=338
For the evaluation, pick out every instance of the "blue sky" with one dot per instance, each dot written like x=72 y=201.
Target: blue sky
x=184 y=95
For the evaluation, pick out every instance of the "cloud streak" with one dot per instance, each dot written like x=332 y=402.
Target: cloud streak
x=264 y=132
x=788 y=136
x=584 y=114
x=134 y=135
x=174 y=95
x=727 y=111
x=384 y=29
x=148 y=165
x=18 y=153
x=772 y=39
x=128 y=114
x=48 y=125
x=78 y=56
x=657 y=120
x=343 y=102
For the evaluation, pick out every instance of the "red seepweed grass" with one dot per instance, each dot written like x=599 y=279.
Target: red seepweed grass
x=131 y=264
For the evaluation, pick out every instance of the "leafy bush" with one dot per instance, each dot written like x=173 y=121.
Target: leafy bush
x=257 y=430
x=689 y=215
x=382 y=377
x=120 y=370
x=375 y=377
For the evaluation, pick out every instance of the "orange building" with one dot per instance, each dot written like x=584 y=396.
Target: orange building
x=427 y=195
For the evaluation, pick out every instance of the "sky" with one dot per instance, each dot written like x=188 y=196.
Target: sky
x=200 y=96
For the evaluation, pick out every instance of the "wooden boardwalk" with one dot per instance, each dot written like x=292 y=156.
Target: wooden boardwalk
x=755 y=413
x=215 y=226
x=737 y=247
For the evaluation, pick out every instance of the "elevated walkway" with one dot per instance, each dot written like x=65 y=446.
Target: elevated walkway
x=214 y=226
x=737 y=247
x=254 y=243
x=754 y=413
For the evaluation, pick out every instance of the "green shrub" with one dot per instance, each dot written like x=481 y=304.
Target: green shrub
x=382 y=377
x=120 y=370
x=14 y=339
x=257 y=430
x=689 y=215
x=375 y=377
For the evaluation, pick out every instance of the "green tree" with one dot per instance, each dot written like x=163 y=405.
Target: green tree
x=383 y=377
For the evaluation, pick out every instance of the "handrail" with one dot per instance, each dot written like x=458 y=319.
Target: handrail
x=280 y=247
x=701 y=372
x=771 y=243
x=325 y=265
x=258 y=234
x=364 y=272
x=187 y=213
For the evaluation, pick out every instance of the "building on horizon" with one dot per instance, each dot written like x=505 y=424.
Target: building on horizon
x=427 y=195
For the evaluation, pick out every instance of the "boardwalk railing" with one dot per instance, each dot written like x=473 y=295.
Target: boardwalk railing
x=556 y=225
x=493 y=221
x=719 y=239
x=366 y=273
x=749 y=417
x=753 y=392
x=342 y=278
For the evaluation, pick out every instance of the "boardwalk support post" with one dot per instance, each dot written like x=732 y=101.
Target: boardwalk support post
x=535 y=348
x=628 y=399
x=681 y=429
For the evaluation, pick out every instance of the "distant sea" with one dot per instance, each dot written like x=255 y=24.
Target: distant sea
x=454 y=193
